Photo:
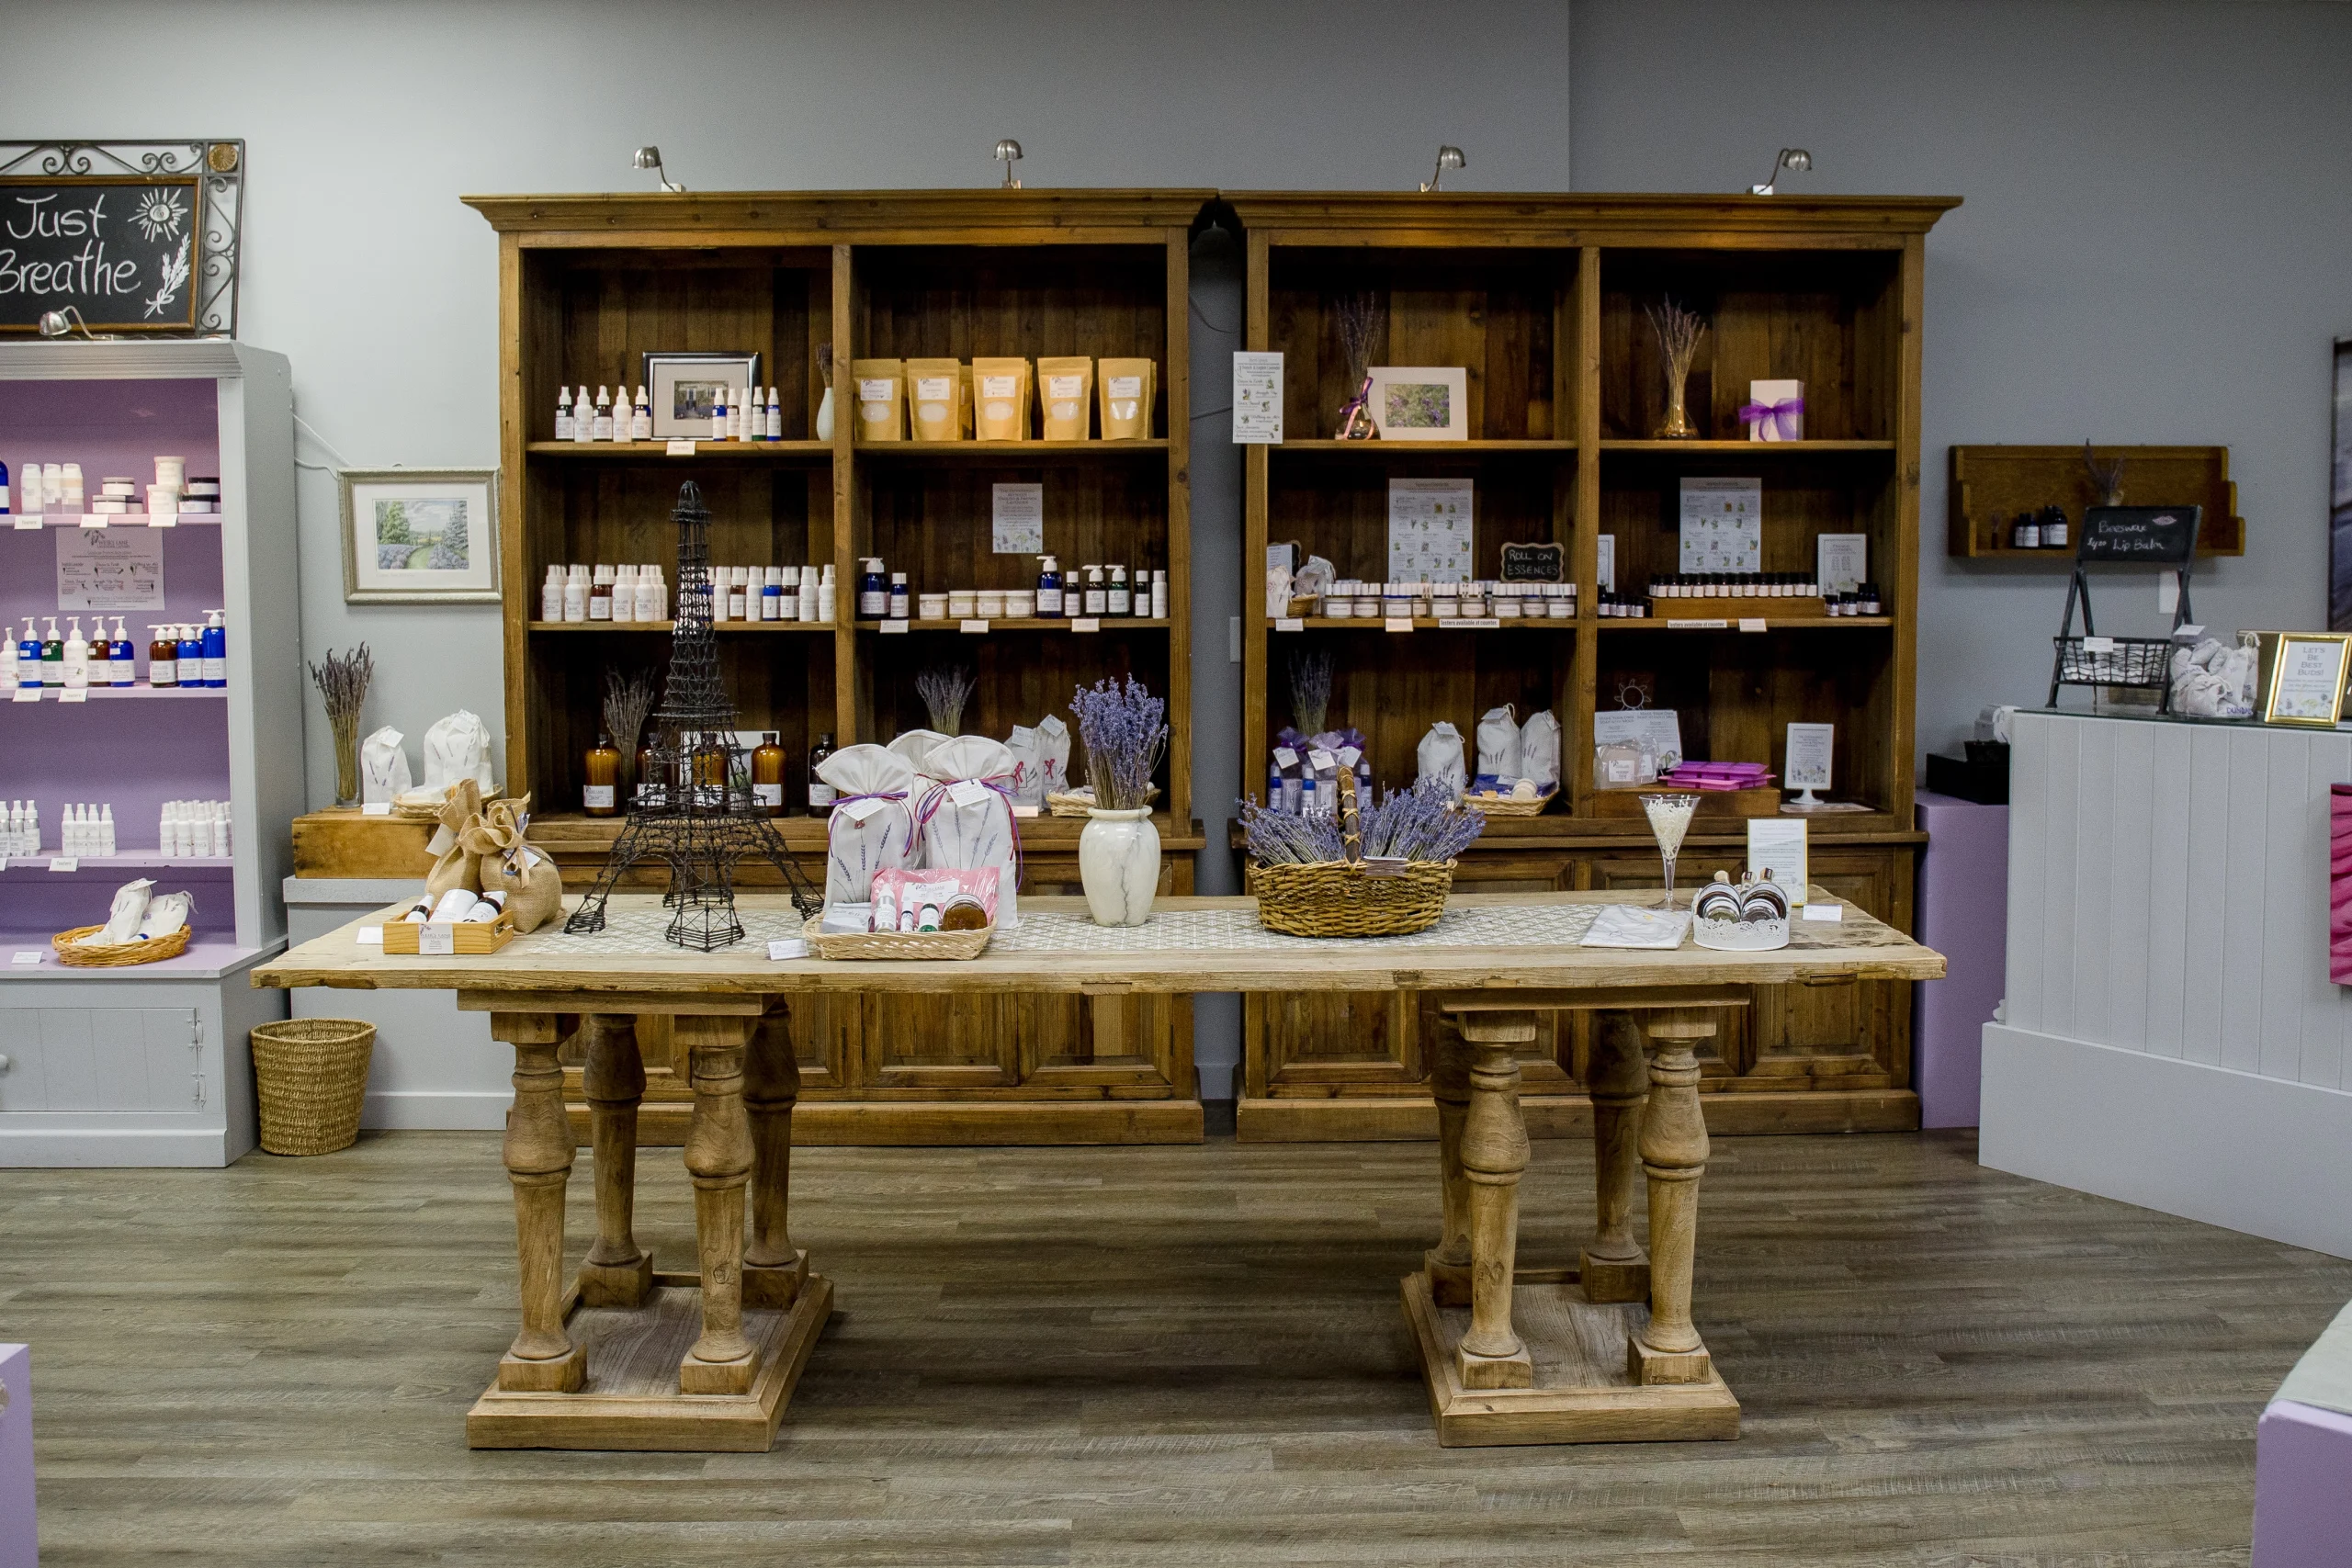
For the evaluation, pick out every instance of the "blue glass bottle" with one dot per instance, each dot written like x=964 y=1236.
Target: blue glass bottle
x=215 y=643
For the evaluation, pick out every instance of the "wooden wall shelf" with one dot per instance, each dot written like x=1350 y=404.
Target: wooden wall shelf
x=1990 y=485
x=1541 y=299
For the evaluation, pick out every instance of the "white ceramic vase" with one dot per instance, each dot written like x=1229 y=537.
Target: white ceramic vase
x=1118 y=864
x=825 y=416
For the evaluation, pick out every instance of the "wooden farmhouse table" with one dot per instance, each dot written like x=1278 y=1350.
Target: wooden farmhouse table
x=620 y=1357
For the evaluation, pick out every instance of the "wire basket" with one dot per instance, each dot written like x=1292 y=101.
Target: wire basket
x=2117 y=662
x=1348 y=897
x=311 y=1080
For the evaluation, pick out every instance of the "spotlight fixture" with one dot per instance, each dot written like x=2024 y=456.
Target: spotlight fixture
x=651 y=158
x=1447 y=158
x=1795 y=158
x=64 y=324
x=1008 y=152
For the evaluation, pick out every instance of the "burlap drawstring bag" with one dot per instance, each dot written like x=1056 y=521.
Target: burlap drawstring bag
x=507 y=863
x=455 y=866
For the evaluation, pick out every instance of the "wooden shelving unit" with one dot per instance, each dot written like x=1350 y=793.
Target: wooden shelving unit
x=1990 y=485
x=1541 y=299
x=587 y=284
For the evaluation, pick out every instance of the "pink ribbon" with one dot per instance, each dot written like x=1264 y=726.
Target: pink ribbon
x=1779 y=413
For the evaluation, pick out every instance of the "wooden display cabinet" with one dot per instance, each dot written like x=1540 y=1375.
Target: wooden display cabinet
x=588 y=283
x=1541 y=299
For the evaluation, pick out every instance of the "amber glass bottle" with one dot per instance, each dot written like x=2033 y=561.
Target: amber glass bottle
x=645 y=779
x=820 y=794
x=767 y=775
x=600 y=792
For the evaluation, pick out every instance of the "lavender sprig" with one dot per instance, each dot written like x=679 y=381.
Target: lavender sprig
x=1124 y=728
x=1278 y=837
x=1420 y=823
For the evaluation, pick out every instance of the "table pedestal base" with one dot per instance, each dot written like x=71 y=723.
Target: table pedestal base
x=1582 y=1391
x=629 y=1399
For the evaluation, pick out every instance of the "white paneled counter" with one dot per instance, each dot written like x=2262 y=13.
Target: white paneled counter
x=2170 y=1036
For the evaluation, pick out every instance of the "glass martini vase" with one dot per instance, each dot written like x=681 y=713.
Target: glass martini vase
x=1670 y=817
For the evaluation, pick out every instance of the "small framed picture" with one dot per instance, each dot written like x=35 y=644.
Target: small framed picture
x=683 y=386
x=2307 y=679
x=1421 y=403
x=420 y=535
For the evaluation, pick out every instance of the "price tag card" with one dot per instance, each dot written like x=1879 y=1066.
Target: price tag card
x=437 y=938
x=370 y=936
x=1479 y=623
x=1025 y=811
x=1285 y=758
x=24 y=958
x=1079 y=624
x=377 y=808
x=785 y=947
x=2098 y=645
x=1321 y=760
x=1290 y=624
x=679 y=449
x=162 y=520
x=64 y=863
x=978 y=629
x=1825 y=912
x=895 y=628
x=27 y=694
x=1397 y=624
x=73 y=694
x=967 y=792
x=1751 y=622
x=859 y=810
x=95 y=520
x=1697 y=625
x=29 y=520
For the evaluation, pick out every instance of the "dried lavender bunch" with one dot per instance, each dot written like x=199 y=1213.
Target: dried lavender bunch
x=628 y=699
x=343 y=680
x=1420 y=823
x=825 y=362
x=945 y=689
x=1357 y=319
x=1310 y=688
x=1124 y=728
x=1278 y=837
x=1679 y=331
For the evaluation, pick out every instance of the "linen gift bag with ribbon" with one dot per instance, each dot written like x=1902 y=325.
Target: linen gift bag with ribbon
x=505 y=863
x=1053 y=757
x=872 y=825
x=1498 y=744
x=1028 y=769
x=965 y=820
x=383 y=767
x=914 y=746
x=1440 y=756
x=1539 y=750
x=453 y=866
x=457 y=747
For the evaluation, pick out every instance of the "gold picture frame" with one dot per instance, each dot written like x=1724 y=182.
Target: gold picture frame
x=2303 y=683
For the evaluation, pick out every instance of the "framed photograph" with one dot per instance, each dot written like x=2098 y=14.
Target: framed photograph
x=420 y=535
x=683 y=386
x=2307 y=679
x=1420 y=402
x=2339 y=495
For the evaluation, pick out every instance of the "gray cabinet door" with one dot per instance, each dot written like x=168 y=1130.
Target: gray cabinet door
x=146 y=1059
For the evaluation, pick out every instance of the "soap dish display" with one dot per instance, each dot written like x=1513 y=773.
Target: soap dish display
x=1740 y=917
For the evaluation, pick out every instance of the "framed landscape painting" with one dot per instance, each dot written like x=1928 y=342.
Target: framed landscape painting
x=420 y=535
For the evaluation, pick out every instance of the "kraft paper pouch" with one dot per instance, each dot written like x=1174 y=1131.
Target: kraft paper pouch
x=1066 y=396
x=934 y=394
x=1440 y=755
x=1000 y=398
x=1498 y=744
x=1127 y=388
x=881 y=403
x=966 y=818
x=964 y=394
x=872 y=825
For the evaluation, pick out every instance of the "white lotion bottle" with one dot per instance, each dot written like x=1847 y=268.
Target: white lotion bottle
x=77 y=658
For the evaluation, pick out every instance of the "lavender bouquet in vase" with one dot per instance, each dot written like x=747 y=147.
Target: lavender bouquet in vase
x=1125 y=731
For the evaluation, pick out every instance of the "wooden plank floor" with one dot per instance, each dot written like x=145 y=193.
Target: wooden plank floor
x=1158 y=1356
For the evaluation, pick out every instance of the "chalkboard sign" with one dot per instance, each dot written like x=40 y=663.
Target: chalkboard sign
x=135 y=237
x=1534 y=563
x=2159 y=535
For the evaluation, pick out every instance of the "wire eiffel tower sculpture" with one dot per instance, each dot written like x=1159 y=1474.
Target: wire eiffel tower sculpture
x=693 y=808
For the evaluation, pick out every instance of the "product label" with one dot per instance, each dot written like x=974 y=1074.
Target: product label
x=437 y=938
x=820 y=795
x=875 y=395
x=1062 y=387
x=1050 y=600
x=163 y=673
x=763 y=794
x=600 y=609
x=593 y=796
x=933 y=389
x=999 y=387
x=1126 y=387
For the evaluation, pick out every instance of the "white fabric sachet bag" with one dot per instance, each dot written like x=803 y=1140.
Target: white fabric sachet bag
x=1053 y=755
x=457 y=747
x=1440 y=755
x=1028 y=769
x=1498 y=744
x=966 y=819
x=872 y=825
x=914 y=746
x=1539 y=750
x=383 y=767
x=122 y=924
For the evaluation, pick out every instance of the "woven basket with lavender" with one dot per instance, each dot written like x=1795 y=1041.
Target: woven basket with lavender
x=1386 y=872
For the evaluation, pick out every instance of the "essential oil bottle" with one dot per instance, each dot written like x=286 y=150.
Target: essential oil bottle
x=600 y=786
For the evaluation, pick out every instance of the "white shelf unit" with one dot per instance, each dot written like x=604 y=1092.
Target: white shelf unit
x=149 y=1065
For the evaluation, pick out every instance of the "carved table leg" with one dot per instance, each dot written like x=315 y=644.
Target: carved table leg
x=1448 y=1263
x=1614 y=1268
x=1494 y=1153
x=618 y=1272
x=538 y=1162
x=718 y=1157
x=773 y=1270
x=1674 y=1156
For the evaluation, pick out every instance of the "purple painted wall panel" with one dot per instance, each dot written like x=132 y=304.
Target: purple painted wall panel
x=18 y=1548
x=1963 y=914
x=2303 y=1487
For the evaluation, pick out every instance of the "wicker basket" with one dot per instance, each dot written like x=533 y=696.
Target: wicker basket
x=1070 y=804
x=1504 y=805
x=115 y=954
x=1345 y=897
x=899 y=945
x=311 y=1076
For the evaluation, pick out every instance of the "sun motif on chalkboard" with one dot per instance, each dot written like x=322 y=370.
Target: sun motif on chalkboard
x=158 y=212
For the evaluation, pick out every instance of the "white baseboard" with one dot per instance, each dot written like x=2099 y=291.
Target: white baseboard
x=98 y=1149
x=2271 y=1158
x=436 y=1110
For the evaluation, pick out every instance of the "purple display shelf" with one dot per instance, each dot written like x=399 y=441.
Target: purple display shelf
x=207 y=957
x=18 y=1548
x=2303 y=1479
x=40 y=899
x=1963 y=913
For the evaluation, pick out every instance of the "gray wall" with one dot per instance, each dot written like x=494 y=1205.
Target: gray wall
x=2156 y=248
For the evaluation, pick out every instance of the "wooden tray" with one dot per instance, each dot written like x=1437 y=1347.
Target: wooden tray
x=899 y=945
x=467 y=938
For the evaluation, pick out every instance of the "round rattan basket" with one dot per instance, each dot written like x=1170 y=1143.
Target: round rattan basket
x=115 y=954
x=1350 y=897
x=311 y=1076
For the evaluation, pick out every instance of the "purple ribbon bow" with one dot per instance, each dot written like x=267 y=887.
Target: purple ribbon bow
x=1784 y=427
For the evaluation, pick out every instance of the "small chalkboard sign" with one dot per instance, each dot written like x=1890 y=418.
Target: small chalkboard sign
x=1534 y=563
x=2157 y=536
x=130 y=237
